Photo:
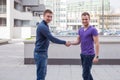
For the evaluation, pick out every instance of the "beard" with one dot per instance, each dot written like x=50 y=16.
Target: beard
x=86 y=25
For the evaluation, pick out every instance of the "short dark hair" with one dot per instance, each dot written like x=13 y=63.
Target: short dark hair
x=85 y=13
x=47 y=11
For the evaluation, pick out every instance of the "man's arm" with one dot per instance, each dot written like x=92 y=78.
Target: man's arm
x=96 y=41
x=45 y=31
x=76 y=42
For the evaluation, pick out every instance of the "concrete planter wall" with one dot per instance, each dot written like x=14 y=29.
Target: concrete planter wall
x=60 y=54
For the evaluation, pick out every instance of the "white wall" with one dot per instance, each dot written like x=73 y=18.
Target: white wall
x=22 y=32
x=9 y=31
x=22 y=15
x=10 y=22
x=3 y=15
x=4 y=32
x=33 y=31
x=109 y=49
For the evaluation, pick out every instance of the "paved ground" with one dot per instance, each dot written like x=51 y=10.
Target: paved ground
x=12 y=67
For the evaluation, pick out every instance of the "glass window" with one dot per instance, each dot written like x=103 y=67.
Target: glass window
x=21 y=23
x=18 y=6
x=2 y=6
x=2 y=21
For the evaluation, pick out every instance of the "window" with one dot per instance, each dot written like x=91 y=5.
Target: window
x=2 y=6
x=2 y=21
x=18 y=6
x=21 y=23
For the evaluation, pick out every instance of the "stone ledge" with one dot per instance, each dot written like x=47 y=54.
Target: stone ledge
x=101 y=42
x=3 y=41
x=73 y=61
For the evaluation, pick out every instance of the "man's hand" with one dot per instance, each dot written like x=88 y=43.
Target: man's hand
x=68 y=43
x=95 y=60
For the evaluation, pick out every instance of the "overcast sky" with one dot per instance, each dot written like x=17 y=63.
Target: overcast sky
x=115 y=3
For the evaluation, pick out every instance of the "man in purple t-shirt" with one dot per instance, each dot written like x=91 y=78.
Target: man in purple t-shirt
x=88 y=35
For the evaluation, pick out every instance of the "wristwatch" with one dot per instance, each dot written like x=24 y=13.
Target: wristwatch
x=97 y=56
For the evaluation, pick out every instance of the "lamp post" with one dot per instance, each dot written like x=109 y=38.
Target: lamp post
x=102 y=17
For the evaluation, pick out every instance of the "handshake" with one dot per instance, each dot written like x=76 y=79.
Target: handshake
x=68 y=43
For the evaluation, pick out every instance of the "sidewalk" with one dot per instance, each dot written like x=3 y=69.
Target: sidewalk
x=12 y=67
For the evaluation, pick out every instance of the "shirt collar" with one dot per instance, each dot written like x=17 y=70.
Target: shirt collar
x=45 y=22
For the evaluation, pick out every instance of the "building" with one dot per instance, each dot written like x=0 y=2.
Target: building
x=67 y=13
x=17 y=18
x=59 y=18
x=76 y=8
x=111 y=21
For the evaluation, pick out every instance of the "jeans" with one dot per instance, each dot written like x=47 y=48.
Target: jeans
x=86 y=61
x=41 y=64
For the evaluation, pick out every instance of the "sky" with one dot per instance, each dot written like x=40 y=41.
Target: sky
x=115 y=3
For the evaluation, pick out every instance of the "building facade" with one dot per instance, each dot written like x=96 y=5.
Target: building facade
x=111 y=21
x=94 y=7
x=67 y=13
x=60 y=16
x=16 y=18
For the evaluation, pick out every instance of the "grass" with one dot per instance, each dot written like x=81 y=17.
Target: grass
x=31 y=38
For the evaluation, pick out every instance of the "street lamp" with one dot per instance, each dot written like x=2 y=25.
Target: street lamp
x=102 y=17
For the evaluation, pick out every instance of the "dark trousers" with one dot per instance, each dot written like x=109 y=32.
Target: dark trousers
x=86 y=61
x=41 y=63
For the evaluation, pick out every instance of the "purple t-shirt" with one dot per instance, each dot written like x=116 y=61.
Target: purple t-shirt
x=87 y=42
